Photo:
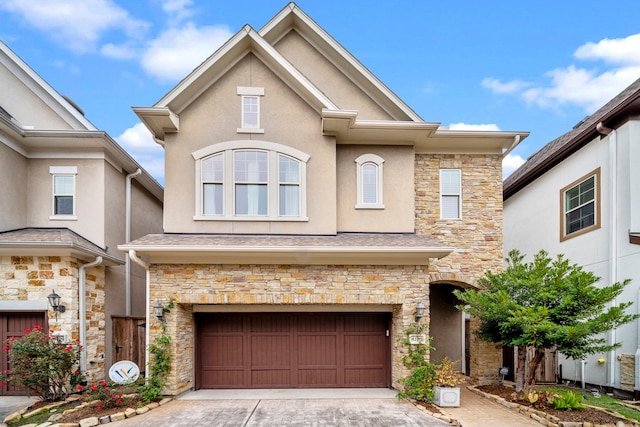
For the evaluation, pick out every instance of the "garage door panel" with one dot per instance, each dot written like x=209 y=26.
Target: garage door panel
x=317 y=350
x=284 y=350
x=317 y=377
x=229 y=351
x=270 y=351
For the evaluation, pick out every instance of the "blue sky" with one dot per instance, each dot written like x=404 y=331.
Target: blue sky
x=516 y=66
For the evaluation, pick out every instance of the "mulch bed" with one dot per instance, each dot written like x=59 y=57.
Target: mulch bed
x=589 y=414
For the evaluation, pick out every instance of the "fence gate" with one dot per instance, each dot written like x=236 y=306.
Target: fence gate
x=128 y=339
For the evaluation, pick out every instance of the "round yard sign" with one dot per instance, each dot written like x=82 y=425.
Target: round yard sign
x=124 y=372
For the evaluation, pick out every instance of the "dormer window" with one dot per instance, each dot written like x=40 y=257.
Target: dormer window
x=250 y=180
x=369 y=182
x=250 y=118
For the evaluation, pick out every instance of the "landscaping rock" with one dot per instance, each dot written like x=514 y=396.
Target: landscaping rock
x=165 y=401
x=130 y=412
x=105 y=420
x=142 y=410
x=55 y=417
x=117 y=417
x=89 y=422
x=153 y=405
x=13 y=417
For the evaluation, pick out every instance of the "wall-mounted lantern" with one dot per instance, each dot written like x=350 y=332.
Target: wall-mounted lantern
x=420 y=308
x=54 y=301
x=158 y=311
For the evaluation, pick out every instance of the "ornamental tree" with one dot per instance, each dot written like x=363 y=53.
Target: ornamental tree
x=42 y=365
x=545 y=304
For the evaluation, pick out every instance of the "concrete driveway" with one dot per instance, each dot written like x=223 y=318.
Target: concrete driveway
x=383 y=412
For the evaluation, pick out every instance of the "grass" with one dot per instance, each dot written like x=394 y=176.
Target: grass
x=603 y=401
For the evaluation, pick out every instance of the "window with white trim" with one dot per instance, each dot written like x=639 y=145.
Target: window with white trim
x=250 y=180
x=64 y=191
x=250 y=116
x=450 y=194
x=580 y=203
x=369 y=181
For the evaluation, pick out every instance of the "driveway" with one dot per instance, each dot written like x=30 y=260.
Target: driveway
x=11 y=404
x=269 y=413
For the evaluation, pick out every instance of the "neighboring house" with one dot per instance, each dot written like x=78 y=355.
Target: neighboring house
x=62 y=214
x=580 y=196
x=308 y=213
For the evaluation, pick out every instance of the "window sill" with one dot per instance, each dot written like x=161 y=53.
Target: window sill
x=249 y=130
x=63 y=218
x=371 y=206
x=250 y=218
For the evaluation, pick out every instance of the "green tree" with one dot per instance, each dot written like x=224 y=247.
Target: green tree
x=545 y=304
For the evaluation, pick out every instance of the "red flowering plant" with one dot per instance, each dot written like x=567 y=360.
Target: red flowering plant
x=42 y=365
x=107 y=395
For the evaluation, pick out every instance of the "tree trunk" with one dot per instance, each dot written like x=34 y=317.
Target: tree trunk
x=533 y=366
x=520 y=370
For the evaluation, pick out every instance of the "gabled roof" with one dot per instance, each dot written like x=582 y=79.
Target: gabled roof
x=611 y=115
x=66 y=109
x=82 y=136
x=406 y=128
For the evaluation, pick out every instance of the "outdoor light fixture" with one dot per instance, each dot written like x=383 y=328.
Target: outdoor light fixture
x=158 y=310
x=54 y=301
x=420 y=308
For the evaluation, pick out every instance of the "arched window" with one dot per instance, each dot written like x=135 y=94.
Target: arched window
x=369 y=182
x=250 y=180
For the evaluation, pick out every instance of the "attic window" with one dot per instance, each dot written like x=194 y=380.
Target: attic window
x=250 y=109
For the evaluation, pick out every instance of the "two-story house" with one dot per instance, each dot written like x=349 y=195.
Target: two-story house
x=579 y=196
x=311 y=217
x=70 y=194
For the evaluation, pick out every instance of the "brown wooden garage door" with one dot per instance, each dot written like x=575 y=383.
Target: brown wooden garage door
x=14 y=324
x=293 y=350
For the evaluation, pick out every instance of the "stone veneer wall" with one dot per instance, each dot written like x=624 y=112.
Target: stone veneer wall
x=400 y=287
x=32 y=278
x=477 y=237
x=627 y=371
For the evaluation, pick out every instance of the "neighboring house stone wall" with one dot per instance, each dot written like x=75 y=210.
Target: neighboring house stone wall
x=477 y=236
x=32 y=278
x=627 y=371
x=399 y=287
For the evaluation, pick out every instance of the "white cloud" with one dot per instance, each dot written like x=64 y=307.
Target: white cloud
x=77 y=24
x=123 y=51
x=509 y=87
x=138 y=142
x=178 y=10
x=510 y=163
x=177 y=51
x=589 y=88
x=614 y=51
x=465 y=126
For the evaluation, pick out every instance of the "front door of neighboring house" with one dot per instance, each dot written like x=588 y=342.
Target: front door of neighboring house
x=128 y=339
x=14 y=324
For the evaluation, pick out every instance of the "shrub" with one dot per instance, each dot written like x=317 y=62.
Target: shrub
x=569 y=402
x=41 y=364
x=419 y=384
x=107 y=395
x=446 y=374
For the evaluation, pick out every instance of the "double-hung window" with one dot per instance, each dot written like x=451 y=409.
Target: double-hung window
x=250 y=180
x=64 y=191
x=450 y=194
x=369 y=180
x=580 y=203
x=250 y=116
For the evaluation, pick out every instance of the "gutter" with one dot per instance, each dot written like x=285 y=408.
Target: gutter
x=82 y=313
x=613 y=233
x=127 y=238
x=147 y=329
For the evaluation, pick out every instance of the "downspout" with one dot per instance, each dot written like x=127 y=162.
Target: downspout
x=127 y=239
x=613 y=233
x=82 y=307
x=147 y=333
